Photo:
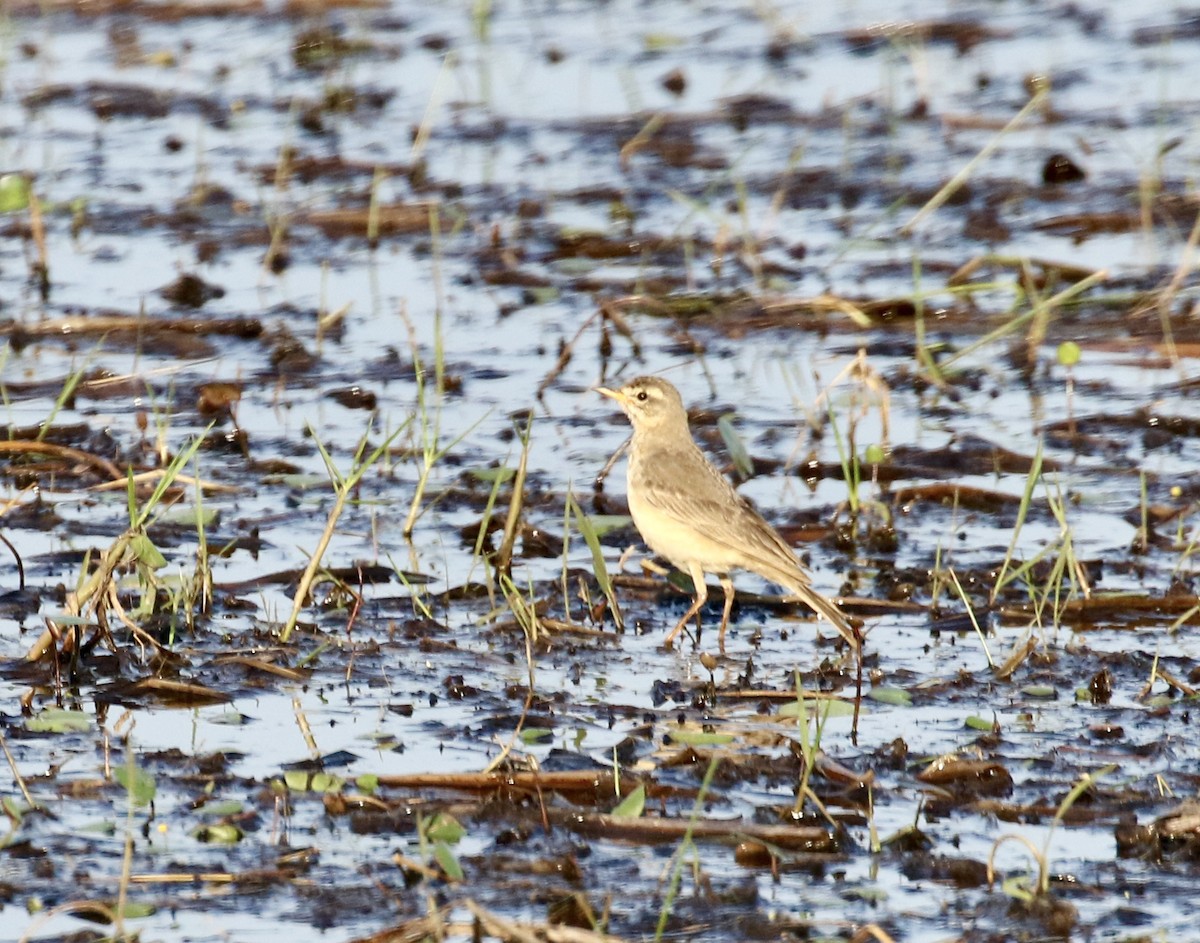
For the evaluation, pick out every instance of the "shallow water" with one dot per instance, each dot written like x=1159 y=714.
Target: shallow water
x=797 y=149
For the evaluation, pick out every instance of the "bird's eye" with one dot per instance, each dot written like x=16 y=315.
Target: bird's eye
x=642 y=396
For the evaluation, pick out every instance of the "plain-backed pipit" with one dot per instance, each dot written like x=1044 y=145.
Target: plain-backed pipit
x=689 y=513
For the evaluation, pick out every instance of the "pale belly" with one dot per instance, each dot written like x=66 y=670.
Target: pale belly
x=682 y=544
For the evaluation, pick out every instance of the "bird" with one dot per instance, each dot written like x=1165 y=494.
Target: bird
x=688 y=512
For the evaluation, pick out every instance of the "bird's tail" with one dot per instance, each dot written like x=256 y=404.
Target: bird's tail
x=828 y=611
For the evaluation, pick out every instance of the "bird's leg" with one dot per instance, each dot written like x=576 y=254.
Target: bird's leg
x=701 y=588
x=727 y=585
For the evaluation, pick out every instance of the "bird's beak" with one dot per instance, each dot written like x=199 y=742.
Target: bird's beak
x=611 y=394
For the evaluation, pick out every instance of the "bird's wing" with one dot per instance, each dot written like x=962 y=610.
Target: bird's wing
x=707 y=501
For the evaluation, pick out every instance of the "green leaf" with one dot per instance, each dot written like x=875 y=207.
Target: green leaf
x=542 y=294
x=818 y=707
x=657 y=42
x=532 y=735
x=875 y=455
x=445 y=828
x=700 y=738
x=603 y=524
x=223 y=809
x=222 y=833
x=137 y=910
x=447 y=862
x=500 y=473
x=299 y=482
x=137 y=782
x=577 y=266
x=979 y=723
x=736 y=448
x=143 y=548
x=896 y=697
x=1044 y=691
x=367 y=783
x=1069 y=353
x=326 y=782
x=57 y=720
x=189 y=516
x=632 y=806
x=14 y=193
x=301 y=780
x=1018 y=887
x=13 y=809
x=131 y=496
x=66 y=619
x=872 y=895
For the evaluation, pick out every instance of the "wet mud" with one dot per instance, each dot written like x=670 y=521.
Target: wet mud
x=322 y=609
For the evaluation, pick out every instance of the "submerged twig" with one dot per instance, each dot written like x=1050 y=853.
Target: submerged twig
x=602 y=475
x=28 y=446
x=19 y=562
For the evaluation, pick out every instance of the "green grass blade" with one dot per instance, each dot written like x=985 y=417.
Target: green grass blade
x=1031 y=480
x=598 y=565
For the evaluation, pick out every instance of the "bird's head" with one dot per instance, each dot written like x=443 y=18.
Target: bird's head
x=649 y=402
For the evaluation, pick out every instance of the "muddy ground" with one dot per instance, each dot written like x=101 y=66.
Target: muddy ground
x=320 y=615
